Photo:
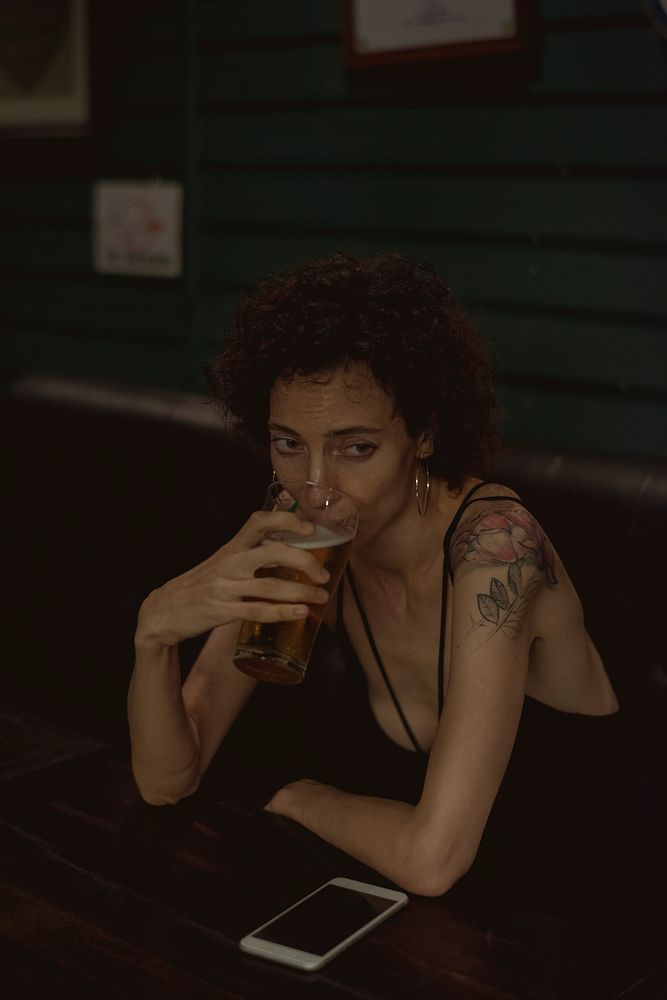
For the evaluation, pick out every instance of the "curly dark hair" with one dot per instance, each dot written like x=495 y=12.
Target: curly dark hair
x=393 y=313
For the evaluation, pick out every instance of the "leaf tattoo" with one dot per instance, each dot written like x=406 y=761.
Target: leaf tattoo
x=499 y=609
x=499 y=594
x=512 y=621
x=488 y=608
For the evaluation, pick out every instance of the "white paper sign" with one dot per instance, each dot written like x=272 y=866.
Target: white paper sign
x=137 y=228
x=391 y=25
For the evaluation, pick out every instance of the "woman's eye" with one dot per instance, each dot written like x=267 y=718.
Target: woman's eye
x=284 y=446
x=359 y=450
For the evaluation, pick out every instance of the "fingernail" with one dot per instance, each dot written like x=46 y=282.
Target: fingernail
x=300 y=611
x=322 y=596
x=324 y=575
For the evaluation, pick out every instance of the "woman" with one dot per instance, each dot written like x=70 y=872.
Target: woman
x=367 y=375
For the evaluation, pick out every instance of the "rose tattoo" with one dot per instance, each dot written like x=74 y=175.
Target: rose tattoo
x=512 y=538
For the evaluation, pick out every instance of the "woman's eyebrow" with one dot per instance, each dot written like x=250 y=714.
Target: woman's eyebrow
x=281 y=427
x=340 y=432
x=357 y=429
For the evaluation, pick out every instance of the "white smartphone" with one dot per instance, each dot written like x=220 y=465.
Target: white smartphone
x=321 y=925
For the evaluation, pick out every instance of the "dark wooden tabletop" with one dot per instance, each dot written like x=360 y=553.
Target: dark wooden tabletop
x=102 y=896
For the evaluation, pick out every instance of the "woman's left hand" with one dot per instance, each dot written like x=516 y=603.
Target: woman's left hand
x=288 y=799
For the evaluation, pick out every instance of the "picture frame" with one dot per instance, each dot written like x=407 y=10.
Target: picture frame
x=399 y=32
x=45 y=68
x=65 y=138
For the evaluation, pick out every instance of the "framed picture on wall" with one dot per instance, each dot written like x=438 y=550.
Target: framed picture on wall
x=384 y=32
x=44 y=67
x=58 y=59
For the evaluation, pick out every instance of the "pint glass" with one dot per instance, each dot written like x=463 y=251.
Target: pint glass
x=279 y=651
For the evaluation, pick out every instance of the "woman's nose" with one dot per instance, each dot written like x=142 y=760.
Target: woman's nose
x=319 y=469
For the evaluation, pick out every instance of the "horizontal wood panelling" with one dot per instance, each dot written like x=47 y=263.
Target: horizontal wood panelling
x=577 y=421
x=528 y=208
x=102 y=303
x=563 y=137
x=542 y=204
x=617 y=357
x=601 y=9
x=624 y=356
x=583 y=61
x=238 y=19
x=133 y=360
x=595 y=62
x=35 y=248
x=155 y=23
x=142 y=141
x=312 y=73
x=541 y=277
x=58 y=200
x=157 y=79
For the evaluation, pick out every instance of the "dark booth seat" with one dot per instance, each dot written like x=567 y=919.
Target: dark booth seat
x=110 y=491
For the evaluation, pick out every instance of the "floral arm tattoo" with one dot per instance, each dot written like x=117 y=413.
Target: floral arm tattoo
x=513 y=541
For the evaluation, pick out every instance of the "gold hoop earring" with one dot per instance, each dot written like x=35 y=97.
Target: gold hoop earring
x=275 y=477
x=422 y=504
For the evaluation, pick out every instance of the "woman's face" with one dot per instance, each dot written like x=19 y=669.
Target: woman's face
x=340 y=428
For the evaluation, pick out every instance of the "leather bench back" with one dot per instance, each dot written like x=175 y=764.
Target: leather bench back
x=607 y=519
x=110 y=491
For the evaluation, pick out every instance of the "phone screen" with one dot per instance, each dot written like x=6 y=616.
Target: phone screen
x=327 y=917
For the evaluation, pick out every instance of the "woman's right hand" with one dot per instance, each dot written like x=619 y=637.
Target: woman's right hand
x=225 y=587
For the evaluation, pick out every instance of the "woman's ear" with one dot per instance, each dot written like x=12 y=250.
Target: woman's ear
x=425 y=446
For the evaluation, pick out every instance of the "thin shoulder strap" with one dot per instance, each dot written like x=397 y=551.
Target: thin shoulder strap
x=339 y=604
x=446 y=571
x=443 y=595
x=375 y=651
x=378 y=660
x=465 y=503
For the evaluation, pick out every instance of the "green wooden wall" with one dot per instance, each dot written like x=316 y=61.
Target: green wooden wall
x=544 y=206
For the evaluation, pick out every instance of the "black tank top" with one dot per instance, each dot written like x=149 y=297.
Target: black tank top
x=556 y=802
x=447 y=573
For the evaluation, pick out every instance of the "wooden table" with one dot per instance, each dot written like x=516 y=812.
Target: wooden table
x=102 y=896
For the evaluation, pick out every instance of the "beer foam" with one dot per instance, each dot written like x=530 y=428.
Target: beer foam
x=321 y=538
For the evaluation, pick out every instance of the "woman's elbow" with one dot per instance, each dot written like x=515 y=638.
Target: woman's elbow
x=162 y=794
x=152 y=798
x=432 y=870
x=434 y=881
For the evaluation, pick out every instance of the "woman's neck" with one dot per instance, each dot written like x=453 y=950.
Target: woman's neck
x=408 y=548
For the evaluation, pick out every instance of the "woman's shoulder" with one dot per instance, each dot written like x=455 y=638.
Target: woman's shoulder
x=478 y=497
x=484 y=503
x=496 y=526
x=474 y=490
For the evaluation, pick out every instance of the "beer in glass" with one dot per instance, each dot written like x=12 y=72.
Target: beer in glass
x=279 y=651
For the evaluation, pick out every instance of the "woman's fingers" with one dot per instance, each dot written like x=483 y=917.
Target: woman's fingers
x=241 y=581
x=256 y=611
x=273 y=588
x=280 y=554
x=262 y=521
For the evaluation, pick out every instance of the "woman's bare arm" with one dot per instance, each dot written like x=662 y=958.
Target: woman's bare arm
x=174 y=742
x=427 y=847
x=175 y=733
